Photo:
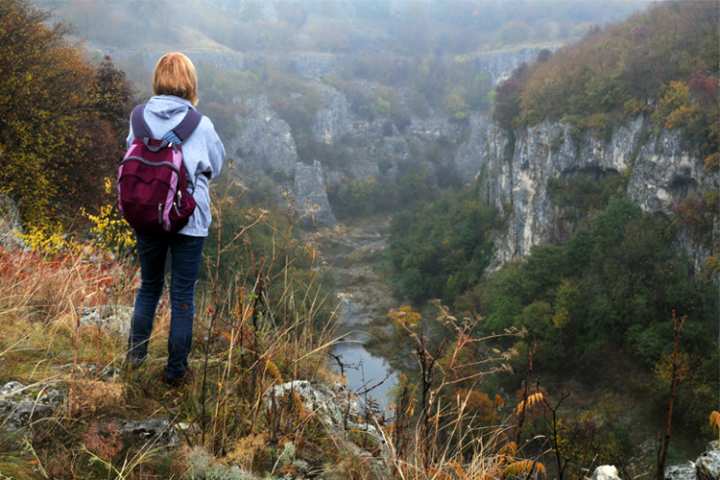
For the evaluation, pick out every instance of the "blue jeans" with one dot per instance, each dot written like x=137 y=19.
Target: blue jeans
x=186 y=256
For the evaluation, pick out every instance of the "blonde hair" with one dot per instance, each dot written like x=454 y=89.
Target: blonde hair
x=175 y=75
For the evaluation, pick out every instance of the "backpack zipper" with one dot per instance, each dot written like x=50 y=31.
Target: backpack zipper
x=160 y=205
x=151 y=164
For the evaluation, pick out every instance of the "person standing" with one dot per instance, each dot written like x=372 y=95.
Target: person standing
x=165 y=117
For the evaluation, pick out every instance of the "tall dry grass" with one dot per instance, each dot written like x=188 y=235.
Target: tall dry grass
x=262 y=326
x=249 y=335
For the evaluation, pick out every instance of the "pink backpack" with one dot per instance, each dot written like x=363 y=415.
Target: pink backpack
x=152 y=179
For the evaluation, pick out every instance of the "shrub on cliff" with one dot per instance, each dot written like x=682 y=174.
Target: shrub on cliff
x=664 y=60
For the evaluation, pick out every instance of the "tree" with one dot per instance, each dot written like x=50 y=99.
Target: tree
x=59 y=119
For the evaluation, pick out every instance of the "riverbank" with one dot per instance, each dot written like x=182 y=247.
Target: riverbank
x=351 y=255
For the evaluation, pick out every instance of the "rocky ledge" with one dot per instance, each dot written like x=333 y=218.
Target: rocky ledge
x=705 y=467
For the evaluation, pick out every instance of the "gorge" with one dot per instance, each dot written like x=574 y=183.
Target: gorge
x=439 y=224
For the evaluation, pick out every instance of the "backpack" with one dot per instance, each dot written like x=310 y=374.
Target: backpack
x=152 y=179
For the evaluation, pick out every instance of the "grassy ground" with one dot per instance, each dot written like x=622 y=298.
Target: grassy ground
x=242 y=347
x=45 y=345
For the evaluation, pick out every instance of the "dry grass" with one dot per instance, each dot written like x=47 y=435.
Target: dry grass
x=250 y=335
x=244 y=344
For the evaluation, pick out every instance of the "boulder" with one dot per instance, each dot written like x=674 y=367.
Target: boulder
x=707 y=465
x=606 y=472
x=10 y=226
x=22 y=404
x=158 y=431
x=335 y=406
x=111 y=318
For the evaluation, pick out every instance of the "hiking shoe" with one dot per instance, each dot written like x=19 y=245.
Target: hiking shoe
x=133 y=363
x=179 y=381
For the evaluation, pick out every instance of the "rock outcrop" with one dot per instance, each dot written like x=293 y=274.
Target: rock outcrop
x=606 y=472
x=10 y=225
x=311 y=201
x=335 y=406
x=517 y=172
x=110 y=318
x=264 y=142
x=339 y=410
x=334 y=119
x=21 y=404
x=705 y=467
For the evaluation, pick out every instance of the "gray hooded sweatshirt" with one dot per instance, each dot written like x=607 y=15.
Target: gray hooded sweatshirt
x=203 y=154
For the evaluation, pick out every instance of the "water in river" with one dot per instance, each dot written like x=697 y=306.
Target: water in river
x=348 y=253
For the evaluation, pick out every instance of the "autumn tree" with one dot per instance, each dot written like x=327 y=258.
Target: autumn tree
x=59 y=119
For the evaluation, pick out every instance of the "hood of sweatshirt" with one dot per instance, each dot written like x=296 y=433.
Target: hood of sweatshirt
x=165 y=107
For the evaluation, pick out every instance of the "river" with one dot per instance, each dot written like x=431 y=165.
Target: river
x=349 y=253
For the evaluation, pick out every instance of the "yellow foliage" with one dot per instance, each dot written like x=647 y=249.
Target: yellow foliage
x=110 y=231
x=531 y=401
x=405 y=316
x=675 y=109
x=524 y=467
x=715 y=421
x=681 y=116
x=60 y=124
x=47 y=239
x=247 y=448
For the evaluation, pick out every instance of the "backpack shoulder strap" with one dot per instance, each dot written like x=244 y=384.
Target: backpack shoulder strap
x=188 y=124
x=139 y=125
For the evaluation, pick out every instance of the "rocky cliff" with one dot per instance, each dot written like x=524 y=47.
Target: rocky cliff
x=518 y=167
x=349 y=142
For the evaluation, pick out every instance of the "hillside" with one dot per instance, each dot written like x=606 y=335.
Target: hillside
x=604 y=219
x=500 y=217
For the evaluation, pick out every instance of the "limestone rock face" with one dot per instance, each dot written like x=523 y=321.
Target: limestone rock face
x=334 y=120
x=517 y=173
x=484 y=141
x=10 y=226
x=336 y=407
x=112 y=318
x=707 y=465
x=22 y=404
x=264 y=143
x=606 y=472
x=359 y=133
x=311 y=201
